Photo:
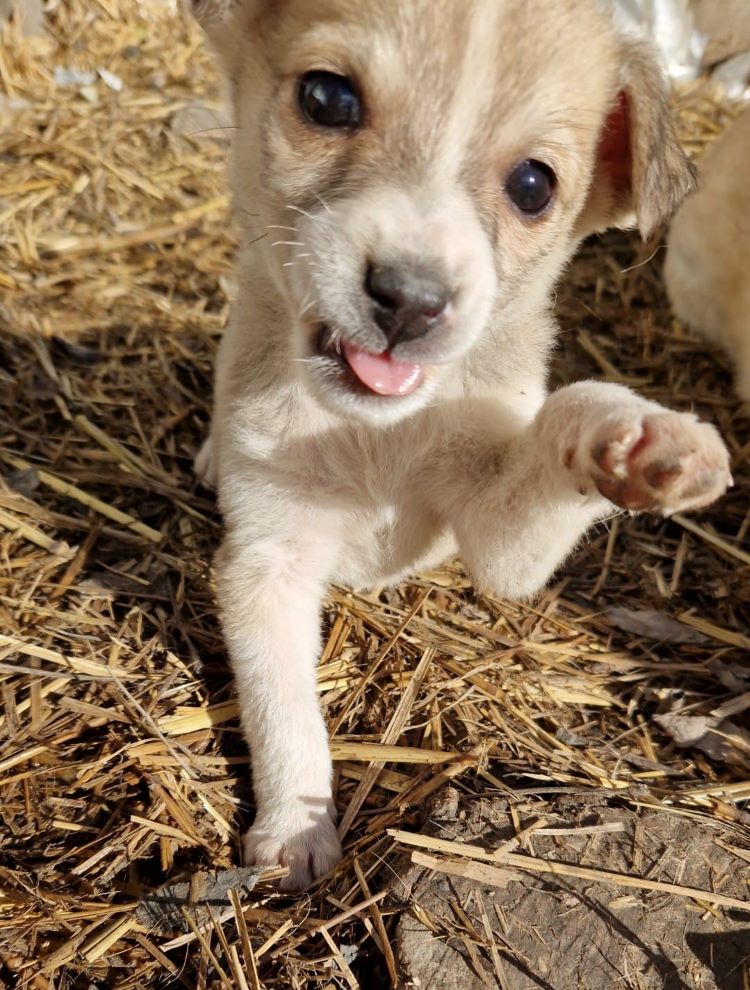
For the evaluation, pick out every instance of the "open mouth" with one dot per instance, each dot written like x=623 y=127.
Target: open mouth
x=380 y=374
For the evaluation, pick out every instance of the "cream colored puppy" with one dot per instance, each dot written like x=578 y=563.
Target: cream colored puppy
x=707 y=270
x=411 y=176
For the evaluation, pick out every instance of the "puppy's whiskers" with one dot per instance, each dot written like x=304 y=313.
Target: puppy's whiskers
x=304 y=213
x=306 y=256
x=323 y=203
x=307 y=304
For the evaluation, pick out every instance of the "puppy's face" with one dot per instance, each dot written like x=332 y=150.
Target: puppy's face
x=417 y=171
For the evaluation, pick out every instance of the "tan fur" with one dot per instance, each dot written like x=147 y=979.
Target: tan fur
x=321 y=480
x=708 y=260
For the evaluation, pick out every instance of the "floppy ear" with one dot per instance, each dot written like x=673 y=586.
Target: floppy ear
x=642 y=174
x=221 y=21
x=212 y=13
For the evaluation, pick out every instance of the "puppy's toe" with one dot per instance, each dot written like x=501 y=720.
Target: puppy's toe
x=659 y=462
x=309 y=851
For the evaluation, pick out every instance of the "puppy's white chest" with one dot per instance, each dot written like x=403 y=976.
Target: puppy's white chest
x=383 y=545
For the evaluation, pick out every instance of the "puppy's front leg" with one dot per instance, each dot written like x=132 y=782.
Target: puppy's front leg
x=270 y=593
x=593 y=447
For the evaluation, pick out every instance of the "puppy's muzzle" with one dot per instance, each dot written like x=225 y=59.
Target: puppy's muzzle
x=408 y=300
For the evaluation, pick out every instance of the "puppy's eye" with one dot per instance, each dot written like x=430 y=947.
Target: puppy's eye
x=329 y=100
x=531 y=186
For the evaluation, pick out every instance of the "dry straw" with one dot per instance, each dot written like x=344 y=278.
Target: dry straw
x=121 y=763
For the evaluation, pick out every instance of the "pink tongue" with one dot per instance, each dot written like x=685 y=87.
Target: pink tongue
x=381 y=374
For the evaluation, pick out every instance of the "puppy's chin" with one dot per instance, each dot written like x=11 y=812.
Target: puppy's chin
x=338 y=391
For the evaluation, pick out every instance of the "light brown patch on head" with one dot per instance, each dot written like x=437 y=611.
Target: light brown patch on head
x=448 y=87
x=452 y=98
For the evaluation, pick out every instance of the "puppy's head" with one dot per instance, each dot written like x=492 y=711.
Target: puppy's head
x=422 y=170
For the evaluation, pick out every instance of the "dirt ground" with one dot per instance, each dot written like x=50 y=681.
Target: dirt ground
x=550 y=933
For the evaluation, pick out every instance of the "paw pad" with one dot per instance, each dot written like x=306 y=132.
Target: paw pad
x=656 y=461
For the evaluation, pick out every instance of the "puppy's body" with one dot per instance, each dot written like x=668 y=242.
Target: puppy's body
x=381 y=391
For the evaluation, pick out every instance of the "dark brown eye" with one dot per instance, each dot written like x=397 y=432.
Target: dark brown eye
x=329 y=100
x=531 y=186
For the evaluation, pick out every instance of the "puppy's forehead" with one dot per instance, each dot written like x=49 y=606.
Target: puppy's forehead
x=447 y=69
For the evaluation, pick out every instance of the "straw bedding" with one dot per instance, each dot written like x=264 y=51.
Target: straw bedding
x=121 y=763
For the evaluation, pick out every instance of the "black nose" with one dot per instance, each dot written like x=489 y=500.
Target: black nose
x=408 y=300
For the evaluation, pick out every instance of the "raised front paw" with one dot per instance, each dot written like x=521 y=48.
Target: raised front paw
x=302 y=839
x=645 y=459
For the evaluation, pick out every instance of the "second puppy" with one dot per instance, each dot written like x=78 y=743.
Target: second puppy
x=707 y=270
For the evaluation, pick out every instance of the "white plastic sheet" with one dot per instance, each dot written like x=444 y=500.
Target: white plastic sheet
x=733 y=77
x=670 y=26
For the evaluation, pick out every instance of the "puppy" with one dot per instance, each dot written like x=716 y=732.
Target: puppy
x=708 y=258
x=411 y=177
